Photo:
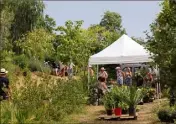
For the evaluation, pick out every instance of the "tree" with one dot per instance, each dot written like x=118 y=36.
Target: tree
x=27 y=16
x=72 y=43
x=112 y=21
x=5 y=24
x=163 y=42
x=49 y=23
x=139 y=40
x=37 y=44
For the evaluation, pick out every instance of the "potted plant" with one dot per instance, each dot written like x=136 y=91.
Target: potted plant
x=124 y=107
x=149 y=95
x=131 y=96
x=117 y=108
x=108 y=102
x=152 y=92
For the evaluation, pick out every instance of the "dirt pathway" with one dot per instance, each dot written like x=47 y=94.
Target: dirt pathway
x=146 y=114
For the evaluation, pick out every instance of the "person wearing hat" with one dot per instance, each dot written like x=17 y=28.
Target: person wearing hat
x=120 y=76
x=91 y=71
x=4 y=84
x=103 y=73
x=128 y=77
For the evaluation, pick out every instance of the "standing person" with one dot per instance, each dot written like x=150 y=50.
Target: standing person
x=4 y=84
x=148 y=78
x=139 y=79
x=55 y=69
x=128 y=77
x=70 y=69
x=91 y=71
x=120 y=76
x=103 y=73
x=102 y=88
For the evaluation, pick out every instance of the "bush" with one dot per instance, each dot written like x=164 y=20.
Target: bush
x=36 y=65
x=165 y=92
x=42 y=101
x=21 y=61
x=164 y=116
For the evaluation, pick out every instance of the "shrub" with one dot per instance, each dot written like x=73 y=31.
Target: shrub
x=164 y=116
x=21 y=61
x=165 y=92
x=42 y=101
x=36 y=65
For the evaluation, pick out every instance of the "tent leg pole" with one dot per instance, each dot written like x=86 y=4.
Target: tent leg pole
x=97 y=72
x=157 y=90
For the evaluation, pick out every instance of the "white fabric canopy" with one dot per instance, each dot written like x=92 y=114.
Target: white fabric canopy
x=123 y=50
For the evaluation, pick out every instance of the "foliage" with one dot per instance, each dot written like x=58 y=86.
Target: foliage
x=164 y=115
x=49 y=23
x=45 y=101
x=21 y=61
x=37 y=44
x=129 y=95
x=27 y=16
x=165 y=92
x=112 y=22
x=162 y=42
x=36 y=65
x=71 y=43
x=123 y=105
x=139 y=40
x=108 y=101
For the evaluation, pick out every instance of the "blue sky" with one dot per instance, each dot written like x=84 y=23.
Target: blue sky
x=136 y=15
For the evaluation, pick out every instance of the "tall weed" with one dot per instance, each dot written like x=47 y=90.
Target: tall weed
x=44 y=101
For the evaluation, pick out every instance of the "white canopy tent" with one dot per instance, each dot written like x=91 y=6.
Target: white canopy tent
x=122 y=51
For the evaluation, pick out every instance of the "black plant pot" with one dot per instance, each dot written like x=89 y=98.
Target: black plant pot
x=132 y=111
x=146 y=99
x=109 y=111
x=151 y=100
x=124 y=111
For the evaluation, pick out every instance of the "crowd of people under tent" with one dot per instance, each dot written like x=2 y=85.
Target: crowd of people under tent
x=126 y=77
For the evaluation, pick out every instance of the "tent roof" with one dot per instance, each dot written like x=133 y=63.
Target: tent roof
x=123 y=50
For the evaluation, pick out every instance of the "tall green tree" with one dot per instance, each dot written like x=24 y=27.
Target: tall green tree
x=139 y=40
x=100 y=36
x=163 y=41
x=37 y=44
x=49 y=23
x=27 y=16
x=6 y=18
x=71 y=42
x=112 y=21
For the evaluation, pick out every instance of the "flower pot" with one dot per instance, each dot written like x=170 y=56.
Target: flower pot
x=109 y=111
x=118 y=111
x=146 y=99
x=124 y=111
x=132 y=111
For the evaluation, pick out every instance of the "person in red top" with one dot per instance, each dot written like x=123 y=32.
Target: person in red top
x=149 y=78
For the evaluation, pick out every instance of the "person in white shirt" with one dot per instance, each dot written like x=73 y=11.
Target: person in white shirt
x=70 y=69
